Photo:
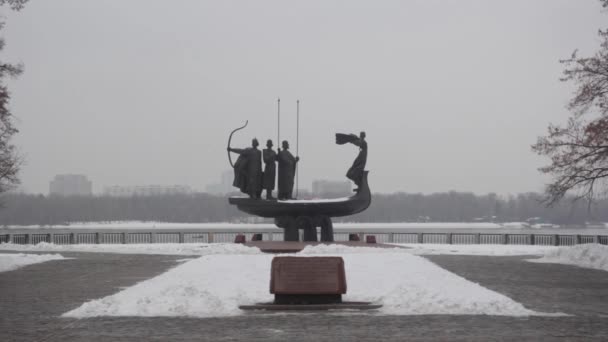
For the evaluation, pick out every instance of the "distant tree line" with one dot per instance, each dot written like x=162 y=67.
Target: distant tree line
x=467 y=207
x=27 y=209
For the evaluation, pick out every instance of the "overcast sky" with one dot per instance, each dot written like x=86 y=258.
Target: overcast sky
x=451 y=93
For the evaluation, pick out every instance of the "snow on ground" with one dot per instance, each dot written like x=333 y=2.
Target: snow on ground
x=490 y=250
x=262 y=226
x=214 y=286
x=151 y=248
x=149 y=225
x=232 y=248
x=343 y=249
x=517 y=225
x=587 y=255
x=10 y=262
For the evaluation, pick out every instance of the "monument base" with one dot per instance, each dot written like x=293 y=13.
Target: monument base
x=302 y=299
x=307 y=284
x=311 y=307
x=308 y=225
x=283 y=247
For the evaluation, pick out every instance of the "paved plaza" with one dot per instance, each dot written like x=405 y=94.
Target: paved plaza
x=33 y=298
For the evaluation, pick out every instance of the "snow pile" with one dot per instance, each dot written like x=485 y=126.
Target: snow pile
x=149 y=225
x=544 y=225
x=158 y=249
x=215 y=285
x=234 y=248
x=490 y=250
x=9 y=262
x=515 y=225
x=210 y=286
x=420 y=225
x=587 y=255
x=122 y=225
x=336 y=249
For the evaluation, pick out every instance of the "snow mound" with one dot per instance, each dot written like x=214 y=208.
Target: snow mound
x=587 y=255
x=149 y=225
x=515 y=225
x=10 y=262
x=214 y=286
x=489 y=250
x=342 y=249
x=152 y=225
x=158 y=249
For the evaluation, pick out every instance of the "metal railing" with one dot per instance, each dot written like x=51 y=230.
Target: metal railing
x=139 y=237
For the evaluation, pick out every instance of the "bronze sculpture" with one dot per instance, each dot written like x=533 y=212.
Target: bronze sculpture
x=287 y=172
x=248 y=170
x=270 y=166
x=355 y=173
x=292 y=216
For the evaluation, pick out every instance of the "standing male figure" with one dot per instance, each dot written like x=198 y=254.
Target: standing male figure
x=270 y=159
x=248 y=170
x=287 y=171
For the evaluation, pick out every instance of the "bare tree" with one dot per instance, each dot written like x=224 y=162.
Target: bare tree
x=579 y=150
x=10 y=161
x=15 y=4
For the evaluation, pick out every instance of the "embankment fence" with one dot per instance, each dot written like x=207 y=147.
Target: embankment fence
x=139 y=237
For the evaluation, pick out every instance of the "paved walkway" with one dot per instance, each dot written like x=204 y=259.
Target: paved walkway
x=541 y=287
x=33 y=297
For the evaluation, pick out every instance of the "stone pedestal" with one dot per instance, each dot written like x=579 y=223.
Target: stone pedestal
x=308 y=225
x=307 y=280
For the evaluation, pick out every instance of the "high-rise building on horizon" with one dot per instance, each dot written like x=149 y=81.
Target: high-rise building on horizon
x=70 y=185
x=225 y=185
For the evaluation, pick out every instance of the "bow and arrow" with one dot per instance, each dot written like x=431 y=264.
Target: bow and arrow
x=230 y=139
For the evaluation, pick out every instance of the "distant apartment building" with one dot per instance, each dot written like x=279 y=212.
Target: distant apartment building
x=70 y=185
x=225 y=185
x=145 y=190
x=325 y=188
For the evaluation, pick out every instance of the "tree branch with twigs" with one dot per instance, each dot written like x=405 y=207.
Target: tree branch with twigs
x=578 y=151
x=10 y=160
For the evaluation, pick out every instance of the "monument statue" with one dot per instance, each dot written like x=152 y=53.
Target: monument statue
x=270 y=166
x=356 y=171
x=287 y=171
x=298 y=215
x=248 y=170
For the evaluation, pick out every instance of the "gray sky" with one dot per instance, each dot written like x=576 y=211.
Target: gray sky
x=450 y=93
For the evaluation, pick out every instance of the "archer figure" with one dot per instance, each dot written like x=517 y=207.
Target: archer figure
x=248 y=170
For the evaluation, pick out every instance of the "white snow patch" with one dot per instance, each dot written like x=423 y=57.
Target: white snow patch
x=259 y=226
x=586 y=255
x=517 y=225
x=234 y=248
x=159 y=249
x=10 y=262
x=149 y=225
x=343 y=249
x=421 y=225
x=544 y=225
x=490 y=250
x=214 y=286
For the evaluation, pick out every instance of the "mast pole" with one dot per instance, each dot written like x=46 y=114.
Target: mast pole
x=278 y=122
x=297 y=146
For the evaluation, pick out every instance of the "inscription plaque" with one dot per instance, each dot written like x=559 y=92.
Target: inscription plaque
x=307 y=276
